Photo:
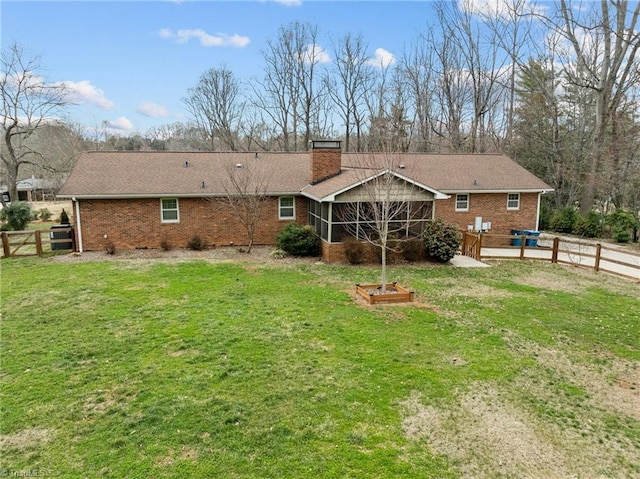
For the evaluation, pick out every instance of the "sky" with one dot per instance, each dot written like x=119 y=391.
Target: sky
x=129 y=64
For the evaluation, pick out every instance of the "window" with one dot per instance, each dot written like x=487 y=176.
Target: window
x=513 y=201
x=462 y=202
x=287 y=208
x=169 y=212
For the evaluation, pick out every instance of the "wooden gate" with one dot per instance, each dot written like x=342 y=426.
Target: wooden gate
x=472 y=245
x=36 y=242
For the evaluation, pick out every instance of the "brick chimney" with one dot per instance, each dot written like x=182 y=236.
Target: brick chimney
x=326 y=159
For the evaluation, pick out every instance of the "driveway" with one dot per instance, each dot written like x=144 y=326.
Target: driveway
x=613 y=259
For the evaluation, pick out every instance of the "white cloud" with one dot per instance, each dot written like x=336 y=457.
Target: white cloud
x=84 y=92
x=122 y=123
x=206 y=39
x=316 y=54
x=153 y=110
x=382 y=58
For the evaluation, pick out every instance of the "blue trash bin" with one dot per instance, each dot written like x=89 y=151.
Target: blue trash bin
x=517 y=241
x=532 y=239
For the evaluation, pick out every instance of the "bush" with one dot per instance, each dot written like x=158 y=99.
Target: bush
x=413 y=250
x=441 y=240
x=589 y=226
x=166 y=245
x=298 y=240
x=19 y=215
x=196 y=243
x=354 y=250
x=278 y=254
x=64 y=218
x=109 y=247
x=621 y=223
x=45 y=214
x=563 y=220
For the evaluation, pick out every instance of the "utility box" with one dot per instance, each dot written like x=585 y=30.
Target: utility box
x=61 y=235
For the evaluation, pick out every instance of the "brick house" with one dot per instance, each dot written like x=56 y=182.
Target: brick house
x=140 y=199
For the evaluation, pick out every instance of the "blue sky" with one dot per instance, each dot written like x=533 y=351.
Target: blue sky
x=131 y=62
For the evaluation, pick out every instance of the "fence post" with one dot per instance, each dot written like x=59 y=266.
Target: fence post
x=5 y=244
x=522 y=246
x=598 y=252
x=464 y=243
x=556 y=247
x=479 y=247
x=38 y=243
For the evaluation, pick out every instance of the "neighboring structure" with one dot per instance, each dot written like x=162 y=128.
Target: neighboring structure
x=33 y=189
x=140 y=199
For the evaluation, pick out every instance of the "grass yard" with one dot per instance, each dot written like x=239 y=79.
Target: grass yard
x=194 y=368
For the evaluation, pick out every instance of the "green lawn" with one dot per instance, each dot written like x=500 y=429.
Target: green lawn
x=145 y=369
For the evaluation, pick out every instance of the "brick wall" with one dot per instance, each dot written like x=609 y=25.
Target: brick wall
x=136 y=223
x=493 y=208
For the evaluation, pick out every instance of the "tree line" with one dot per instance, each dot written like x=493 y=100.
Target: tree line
x=554 y=86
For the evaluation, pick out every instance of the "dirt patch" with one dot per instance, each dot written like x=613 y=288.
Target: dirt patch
x=486 y=435
x=26 y=439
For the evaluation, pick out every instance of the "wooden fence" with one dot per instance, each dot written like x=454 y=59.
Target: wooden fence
x=596 y=256
x=36 y=242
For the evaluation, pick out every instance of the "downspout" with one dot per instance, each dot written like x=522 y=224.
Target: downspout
x=538 y=212
x=78 y=224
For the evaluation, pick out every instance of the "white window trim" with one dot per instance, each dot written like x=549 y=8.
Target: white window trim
x=468 y=201
x=293 y=207
x=513 y=208
x=162 y=210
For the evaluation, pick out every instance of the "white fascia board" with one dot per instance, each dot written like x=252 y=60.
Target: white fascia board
x=512 y=190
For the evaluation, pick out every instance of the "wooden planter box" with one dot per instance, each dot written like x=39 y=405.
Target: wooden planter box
x=394 y=294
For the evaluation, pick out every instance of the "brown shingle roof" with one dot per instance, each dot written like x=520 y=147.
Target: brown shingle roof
x=128 y=174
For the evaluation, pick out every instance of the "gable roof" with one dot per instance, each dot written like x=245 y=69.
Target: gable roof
x=133 y=174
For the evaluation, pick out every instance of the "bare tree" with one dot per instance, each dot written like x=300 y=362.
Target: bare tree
x=28 y=103
x=348 y=85
x=245 y=191
x=216 y=107
x=290 y=94
x=604 y=47
x=387 y=208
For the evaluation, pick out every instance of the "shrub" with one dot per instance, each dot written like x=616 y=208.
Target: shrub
x=196 y=243
x=621 y=223
x=298 y=240
x=563 y=220
x=412 y=250
x=589 y=226
x=441 y=240
x=354 y=250
x=45 y=214
x=19 y=215
x=166 y=245
x=64 y=218
x=109 y=247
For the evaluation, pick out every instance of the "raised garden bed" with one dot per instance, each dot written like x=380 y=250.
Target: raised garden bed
x=394 y=293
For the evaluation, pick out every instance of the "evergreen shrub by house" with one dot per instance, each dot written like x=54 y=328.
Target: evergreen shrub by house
x=45 y=214
x=297 y=240
x=441 y=240
x=64 y=218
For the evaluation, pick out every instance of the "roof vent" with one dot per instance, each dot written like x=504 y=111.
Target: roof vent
x=256 y=157
x=401 y=166
x=186 y=164
x=239 y=165
x=203 y=186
